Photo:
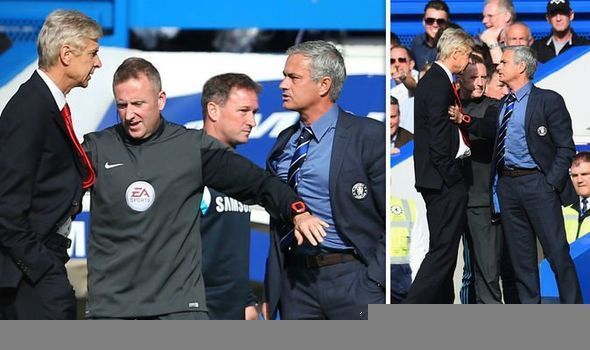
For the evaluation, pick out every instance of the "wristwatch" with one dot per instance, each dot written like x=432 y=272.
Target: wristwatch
x=298 y=207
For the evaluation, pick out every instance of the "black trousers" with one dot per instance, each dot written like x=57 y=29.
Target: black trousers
x=531 y=209
x=446 y=215
x=51 y=298
x=489 y=258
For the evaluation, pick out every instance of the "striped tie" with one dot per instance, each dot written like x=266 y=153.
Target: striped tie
x=584 y=206
x=294 y=175
x=299 y=157
x=500 y=146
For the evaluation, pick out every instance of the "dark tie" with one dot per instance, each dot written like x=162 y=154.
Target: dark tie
x=464 y=133
x=584 y=206
x=299 y=157
x=500 y=146
x=90 y=176
x=294 y=175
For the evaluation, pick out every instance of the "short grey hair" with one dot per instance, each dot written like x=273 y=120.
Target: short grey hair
x=453 y=39
x=524 y=54
x=325 y=61
x=64 y=27
x=506 y=5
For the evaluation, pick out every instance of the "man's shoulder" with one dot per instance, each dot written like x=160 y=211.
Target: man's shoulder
x=546 y=93
x=541 y=42
x=579 y=40
x=361 y=122
x=107 y=133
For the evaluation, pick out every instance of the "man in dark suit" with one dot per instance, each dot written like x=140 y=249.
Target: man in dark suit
x=533 y=177
x=439 y=150
x=43 y=171
x=486 y=258
x=532 y=154
x=342 y=181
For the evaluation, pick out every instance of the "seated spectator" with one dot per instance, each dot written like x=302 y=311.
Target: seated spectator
x=405 y=78
x=519 y=33
x=497 y=15
x=436 y=16
x=560 y=15
x=577 y=221
x=399 y=136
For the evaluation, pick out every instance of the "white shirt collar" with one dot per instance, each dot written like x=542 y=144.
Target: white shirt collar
x=58 y=95
x=449 y=74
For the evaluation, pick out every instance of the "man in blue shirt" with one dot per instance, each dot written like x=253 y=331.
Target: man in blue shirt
x=336 y=163
x=533 y=152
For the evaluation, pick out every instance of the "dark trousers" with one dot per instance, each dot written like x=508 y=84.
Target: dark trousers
x=531 y=209
x=336 y=292
x=446 y=215
x=489 y=259
x=51 y=298
x=401 y=280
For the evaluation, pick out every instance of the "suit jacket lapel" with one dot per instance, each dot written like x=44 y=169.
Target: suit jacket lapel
x=341 y=138
x=57 y=118
x=279 y=146
x=529 y=109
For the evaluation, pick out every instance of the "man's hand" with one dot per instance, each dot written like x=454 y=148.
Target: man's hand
x=491 y=36
x=310 y=228
x=455 y=114
x=264 y=309
x=251 y=312
x=399 y=75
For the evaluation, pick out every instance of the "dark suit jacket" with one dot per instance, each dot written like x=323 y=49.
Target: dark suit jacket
x=403 y=137
x=436 y=140
x=553 y=150
x=40 y=181
x=358 y=155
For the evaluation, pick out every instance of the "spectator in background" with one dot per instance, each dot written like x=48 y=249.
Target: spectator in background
x=560 y=15
x=518 y=33
x=436 y=16
x=494 y=87
x=405 y=77
x=497 y=15
x=399 y=136
x=577 y=215
x=229 y=102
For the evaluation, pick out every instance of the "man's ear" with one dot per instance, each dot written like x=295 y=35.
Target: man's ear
x=212 y=111
x=161 y=100
x=65 y=54
x=325 y=85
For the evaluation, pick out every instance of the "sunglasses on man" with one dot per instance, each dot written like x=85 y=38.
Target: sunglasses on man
x=430 y=21
x=400 y=60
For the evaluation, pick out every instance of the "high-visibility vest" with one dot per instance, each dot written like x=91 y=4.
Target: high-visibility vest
x=575 y=229
x=403 y=216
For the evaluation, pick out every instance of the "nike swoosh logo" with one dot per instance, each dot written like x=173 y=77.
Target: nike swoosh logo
x=110 y=166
